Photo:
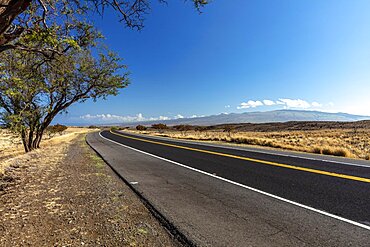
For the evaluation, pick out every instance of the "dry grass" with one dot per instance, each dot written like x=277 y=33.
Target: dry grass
x=337 y=142
x=11 y=146
x=65 y=195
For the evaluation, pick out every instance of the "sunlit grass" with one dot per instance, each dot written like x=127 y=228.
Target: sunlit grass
x=337 y=142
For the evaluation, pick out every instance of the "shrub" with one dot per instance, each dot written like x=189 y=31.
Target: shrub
x=327 y=151
x=336 y=152
x=183 y=128
x=159 y=126
x=140 y=127
x=228 y=129
x=341 y=152
x=56 y=129
x=200 y=128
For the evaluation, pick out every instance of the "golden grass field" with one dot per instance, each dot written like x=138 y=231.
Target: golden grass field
x=11 y=146
x=352 y=143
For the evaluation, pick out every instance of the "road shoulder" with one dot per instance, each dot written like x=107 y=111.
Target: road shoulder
x=65 y=195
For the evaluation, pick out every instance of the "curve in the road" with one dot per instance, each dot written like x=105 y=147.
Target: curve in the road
x=326 y=188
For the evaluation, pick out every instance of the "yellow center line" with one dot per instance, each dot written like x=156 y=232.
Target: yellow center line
x=321 y=172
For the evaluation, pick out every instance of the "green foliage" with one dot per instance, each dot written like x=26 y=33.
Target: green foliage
x=40 y=21
x=35 y=88
x=55 y=58
x=56 y=129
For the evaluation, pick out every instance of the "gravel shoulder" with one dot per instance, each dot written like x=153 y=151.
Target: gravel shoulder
x=65 y=195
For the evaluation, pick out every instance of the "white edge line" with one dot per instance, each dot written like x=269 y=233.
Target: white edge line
x=247 y=150
x=246 y=187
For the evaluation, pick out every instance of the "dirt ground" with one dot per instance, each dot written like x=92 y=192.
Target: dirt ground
x=65 y=195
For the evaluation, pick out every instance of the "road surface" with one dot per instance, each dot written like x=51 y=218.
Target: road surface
x=223 y=196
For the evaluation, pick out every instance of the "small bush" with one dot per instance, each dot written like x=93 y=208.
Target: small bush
x=159 y=126
x=341 y=152
x=56 y=129
x=316 y=150
x=336 y=152
x=200 y=128
x=327 y=151
x=141 y=127
x=114 y=128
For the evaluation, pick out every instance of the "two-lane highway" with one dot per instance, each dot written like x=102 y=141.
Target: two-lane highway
x=234 y=197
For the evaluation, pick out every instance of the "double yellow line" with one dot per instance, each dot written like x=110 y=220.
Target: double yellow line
x=298 y=168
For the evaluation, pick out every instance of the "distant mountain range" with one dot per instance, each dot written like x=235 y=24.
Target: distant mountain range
x=261 y=117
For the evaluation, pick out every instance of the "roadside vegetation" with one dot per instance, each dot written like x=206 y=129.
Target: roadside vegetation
x=350 y=140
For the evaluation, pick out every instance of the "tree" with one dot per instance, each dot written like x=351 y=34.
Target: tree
x=229 y=129
x=140 y=127
x=200 y=128
x=34 y=88
x=18 y=17
x=183 y=128
x=56 y=129
x=159 y=127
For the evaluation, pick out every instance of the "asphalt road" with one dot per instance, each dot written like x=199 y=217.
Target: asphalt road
x=220 y=196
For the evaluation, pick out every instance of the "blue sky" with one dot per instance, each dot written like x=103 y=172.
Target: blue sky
x=235 y=57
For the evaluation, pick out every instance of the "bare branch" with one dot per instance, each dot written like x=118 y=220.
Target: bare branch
x=45 y=11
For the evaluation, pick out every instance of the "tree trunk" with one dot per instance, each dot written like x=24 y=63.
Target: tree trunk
x=36 y=142
x=30 y=137
x=39 y=139
x=25 y=141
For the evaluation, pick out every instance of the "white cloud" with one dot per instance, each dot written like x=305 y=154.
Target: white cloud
x=250 y=104
x=295 y=103
x=316 y=104
x=162 y=118
x=268 y=102
x=227 y=106
x=111 y=118
x=286 y=103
